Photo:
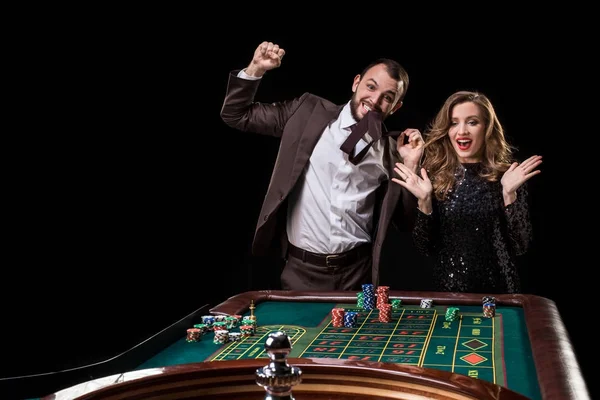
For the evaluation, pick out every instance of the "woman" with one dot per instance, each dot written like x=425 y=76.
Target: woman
x=473 y=213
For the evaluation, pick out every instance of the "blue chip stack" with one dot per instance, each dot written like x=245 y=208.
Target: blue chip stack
x=369 y=296
x=350 y=319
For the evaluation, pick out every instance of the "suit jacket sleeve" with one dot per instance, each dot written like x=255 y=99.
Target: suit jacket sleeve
x=409 y=214
x=241 y=112
x=405 y=214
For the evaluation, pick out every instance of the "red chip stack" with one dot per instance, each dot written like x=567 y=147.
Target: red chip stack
x=337 y=317
x=383 y=296
x=489 y=306
x=193 y=335
x=489 y=310
x=385 y=312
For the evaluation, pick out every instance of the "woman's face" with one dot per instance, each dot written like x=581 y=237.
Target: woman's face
x=467 y=132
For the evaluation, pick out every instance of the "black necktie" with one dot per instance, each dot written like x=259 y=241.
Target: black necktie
x=372 y=123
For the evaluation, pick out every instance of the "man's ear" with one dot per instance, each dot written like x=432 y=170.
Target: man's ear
x=396 y=107
x=355 y=83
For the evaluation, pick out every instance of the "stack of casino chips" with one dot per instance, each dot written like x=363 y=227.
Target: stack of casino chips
x=350 y=319
x=385 y=312
x=489 y=306
x=246 y=330
x=360 y=300
x=219 y=325
x=368 y=296
x=489 y=310
x=221 y=336
x=248 y=326
x=396 y=303
x=220 y=318
x=452 y=313
x=231 y=321
x=426 y=303
x=337 y=317
x=203 y=328
x=248 y=321
x=193 y=335
x=383 y=296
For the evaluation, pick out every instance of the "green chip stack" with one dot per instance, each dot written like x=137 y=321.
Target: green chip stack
x=248 y=321
x=203 y=328
x=219 y=326
x=452 y=313
x=360 y=299
x=231 y=322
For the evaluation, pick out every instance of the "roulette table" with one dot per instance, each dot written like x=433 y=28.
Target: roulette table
x=522 y=352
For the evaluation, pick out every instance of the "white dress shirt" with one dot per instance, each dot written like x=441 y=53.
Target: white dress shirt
x=331 y=206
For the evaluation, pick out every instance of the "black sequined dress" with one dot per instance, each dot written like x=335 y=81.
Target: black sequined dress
x=474 y=238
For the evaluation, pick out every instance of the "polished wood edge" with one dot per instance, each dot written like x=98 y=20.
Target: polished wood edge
x=180 y=378
x=559 y=373
x=239 y=303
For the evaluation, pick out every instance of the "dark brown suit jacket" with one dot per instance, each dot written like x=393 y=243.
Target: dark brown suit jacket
x=299 y=123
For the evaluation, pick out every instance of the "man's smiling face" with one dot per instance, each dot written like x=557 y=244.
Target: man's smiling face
x=375 y=91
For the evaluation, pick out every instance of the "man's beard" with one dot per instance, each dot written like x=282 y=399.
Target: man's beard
x=354 y=104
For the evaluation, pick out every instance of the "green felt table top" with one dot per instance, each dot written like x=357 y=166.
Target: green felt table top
x=494 y=349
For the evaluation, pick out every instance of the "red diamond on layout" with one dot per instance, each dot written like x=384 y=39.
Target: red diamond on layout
x=473 y=358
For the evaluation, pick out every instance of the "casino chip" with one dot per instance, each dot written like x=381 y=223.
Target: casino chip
x=337 y=317
x=368 y=296
x=396 y=303
x=489 y=306
x=452 y=314
x=426 y=303
x=383 y=295
x=385 y=313
x=193 y=335
x=350 y=319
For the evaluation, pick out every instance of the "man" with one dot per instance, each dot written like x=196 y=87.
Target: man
x=327 y=214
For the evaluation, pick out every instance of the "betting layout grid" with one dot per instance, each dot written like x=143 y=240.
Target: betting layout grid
x=417 y=336
x=414 y=336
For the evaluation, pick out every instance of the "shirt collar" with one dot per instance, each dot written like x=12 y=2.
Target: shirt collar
x=346 y=118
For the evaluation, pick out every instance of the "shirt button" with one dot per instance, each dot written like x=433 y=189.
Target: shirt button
x=266 y=216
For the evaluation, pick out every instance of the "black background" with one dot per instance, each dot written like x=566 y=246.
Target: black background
x=129 y=203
